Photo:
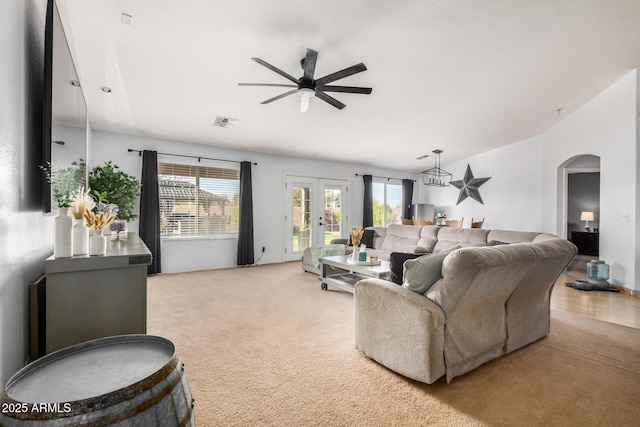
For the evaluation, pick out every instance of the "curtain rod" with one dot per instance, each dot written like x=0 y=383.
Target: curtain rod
x=192 y=157
x=384 y=177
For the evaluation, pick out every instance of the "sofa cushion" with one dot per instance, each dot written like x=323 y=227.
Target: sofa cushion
x=422 y=272
x=465 y=237
x=400 y=230
x=379 y=234
x=367 y=238
x=512 y=236
x=428 y=237
x=399 y=236
x=396 y=265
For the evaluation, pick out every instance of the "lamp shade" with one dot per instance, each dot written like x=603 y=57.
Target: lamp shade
x=586 y=216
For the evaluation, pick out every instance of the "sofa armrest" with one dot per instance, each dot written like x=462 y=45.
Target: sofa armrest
x=339 y=241
x=399 y=329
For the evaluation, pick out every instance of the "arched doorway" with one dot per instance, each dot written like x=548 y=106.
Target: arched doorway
x=579 y=181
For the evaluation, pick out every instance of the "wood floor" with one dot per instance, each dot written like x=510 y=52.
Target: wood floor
x=613 y=307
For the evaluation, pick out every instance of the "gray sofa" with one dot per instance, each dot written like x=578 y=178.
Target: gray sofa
x=424 y=239
x=490 y=300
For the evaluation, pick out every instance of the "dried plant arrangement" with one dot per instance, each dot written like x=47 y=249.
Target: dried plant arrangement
x=98 y=221
x=82 y=203
x=356 y=235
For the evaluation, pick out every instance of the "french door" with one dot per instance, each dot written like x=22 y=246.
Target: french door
x=315 y=213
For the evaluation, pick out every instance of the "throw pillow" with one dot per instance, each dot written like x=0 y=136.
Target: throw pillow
x=367 y=238
x=396 y=265
x=421 y=273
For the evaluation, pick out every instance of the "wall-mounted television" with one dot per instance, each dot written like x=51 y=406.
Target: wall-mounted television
x=65 y=110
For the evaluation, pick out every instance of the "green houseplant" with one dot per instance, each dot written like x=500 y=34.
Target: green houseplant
x=65 y=182
x=110 y=184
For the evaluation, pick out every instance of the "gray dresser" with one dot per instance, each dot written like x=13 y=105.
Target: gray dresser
x=88 y=297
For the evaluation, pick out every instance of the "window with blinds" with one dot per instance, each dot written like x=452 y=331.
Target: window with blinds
x=387 y=203
x=197 y=200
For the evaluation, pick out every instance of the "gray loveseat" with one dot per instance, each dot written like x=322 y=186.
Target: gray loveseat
x=490 y=300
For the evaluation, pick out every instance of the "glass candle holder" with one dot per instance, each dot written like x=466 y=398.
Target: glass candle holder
x=598 y=271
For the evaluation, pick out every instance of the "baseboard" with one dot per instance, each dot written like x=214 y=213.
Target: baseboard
x=631 y=292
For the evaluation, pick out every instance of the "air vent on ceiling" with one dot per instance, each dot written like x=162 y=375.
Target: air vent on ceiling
x=423 y=157
x=225 y=122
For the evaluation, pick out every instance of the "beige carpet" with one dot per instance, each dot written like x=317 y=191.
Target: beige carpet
x=266 y=346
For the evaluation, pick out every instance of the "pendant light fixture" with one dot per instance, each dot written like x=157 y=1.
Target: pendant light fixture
x=436 y=176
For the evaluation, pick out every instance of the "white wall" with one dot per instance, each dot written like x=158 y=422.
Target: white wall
x=511 y=197
x=606 y=127
x=74 y=145
x=26 y=234
x=525 y=191
x=268 y=194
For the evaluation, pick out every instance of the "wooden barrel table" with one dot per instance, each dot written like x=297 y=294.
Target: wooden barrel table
x=115 y=381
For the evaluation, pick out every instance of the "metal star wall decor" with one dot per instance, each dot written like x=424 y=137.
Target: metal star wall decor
x=468 y=186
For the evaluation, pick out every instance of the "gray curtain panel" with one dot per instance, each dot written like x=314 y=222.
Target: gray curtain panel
x=150 y=209
x=367 y=209
x=245 y=227
x=407 y=198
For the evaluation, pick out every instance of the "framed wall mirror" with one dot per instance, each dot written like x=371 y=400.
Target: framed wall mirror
x=65 y=110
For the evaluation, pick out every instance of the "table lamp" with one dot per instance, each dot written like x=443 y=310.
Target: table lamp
x=586 y=217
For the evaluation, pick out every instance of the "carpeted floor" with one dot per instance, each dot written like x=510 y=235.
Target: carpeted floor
x=265 y=346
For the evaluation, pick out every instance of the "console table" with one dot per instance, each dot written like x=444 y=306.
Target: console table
x=588 y=243
x=88 y=297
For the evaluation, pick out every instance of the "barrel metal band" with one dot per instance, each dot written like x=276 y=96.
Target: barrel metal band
x=86 y=406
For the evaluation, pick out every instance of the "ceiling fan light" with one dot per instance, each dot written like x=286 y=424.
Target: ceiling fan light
x=304 y=104
x=305 y=95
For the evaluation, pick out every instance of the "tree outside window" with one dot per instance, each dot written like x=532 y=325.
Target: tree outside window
x=387 y=203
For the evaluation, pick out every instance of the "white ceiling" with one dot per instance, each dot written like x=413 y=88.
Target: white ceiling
x=463 y=76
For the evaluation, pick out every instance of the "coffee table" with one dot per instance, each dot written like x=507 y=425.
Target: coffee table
x=337 y=271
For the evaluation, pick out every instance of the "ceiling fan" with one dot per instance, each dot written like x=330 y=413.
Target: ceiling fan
x=307 y=87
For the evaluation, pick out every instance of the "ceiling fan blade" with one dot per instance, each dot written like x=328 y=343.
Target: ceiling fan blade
x=309 y=65
x=347 y=89
x=275 y=98
x=266 y=84
x=277 y=70
x=354 y=69
x=326 y=98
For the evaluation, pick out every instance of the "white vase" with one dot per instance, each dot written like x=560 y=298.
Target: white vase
x=97 y=243
x=63 y=234
x=80 y=238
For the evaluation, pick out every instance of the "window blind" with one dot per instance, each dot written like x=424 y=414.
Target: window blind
x=198 y=200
